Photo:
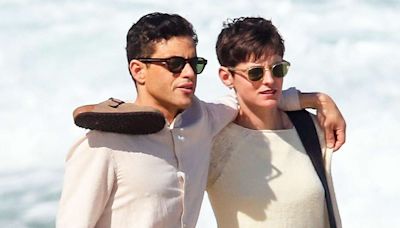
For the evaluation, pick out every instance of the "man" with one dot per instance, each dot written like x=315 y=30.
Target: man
x=154 y=180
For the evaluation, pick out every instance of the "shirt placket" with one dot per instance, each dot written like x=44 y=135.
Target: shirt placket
x=179 y=139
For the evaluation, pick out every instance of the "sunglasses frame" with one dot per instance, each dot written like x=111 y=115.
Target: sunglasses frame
x=269 y=68
x=166 y=62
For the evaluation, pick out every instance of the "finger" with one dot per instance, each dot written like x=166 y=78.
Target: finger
x=330 y=137
x=321 y=119
x=340 y=139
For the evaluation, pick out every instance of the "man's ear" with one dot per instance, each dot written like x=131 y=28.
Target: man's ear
x=138 y=70
x=226 y=77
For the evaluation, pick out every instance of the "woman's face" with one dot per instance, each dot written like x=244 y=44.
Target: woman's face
x=264 y=93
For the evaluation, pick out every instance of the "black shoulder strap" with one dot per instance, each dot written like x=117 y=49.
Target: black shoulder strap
x=308 y=134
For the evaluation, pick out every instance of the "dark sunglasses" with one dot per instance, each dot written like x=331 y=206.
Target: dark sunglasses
x=176 y=64
x=256 y=73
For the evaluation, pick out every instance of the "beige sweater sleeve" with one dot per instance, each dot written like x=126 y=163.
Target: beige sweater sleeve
x=88 y=183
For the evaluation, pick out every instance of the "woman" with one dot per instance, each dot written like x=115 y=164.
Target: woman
x=260 y=174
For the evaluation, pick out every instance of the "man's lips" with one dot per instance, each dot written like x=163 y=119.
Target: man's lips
x=186 y=87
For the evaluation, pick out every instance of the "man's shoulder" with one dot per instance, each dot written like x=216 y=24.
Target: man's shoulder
x=98 y=142
x=112 y=141
x=95 y=135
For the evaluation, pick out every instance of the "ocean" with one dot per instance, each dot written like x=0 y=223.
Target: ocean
x=56 y=55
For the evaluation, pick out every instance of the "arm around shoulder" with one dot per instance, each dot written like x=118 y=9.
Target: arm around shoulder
x=290 y=100
x=329 y=117
x=222 y=112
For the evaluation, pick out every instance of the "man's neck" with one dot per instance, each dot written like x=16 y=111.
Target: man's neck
x=169 y=114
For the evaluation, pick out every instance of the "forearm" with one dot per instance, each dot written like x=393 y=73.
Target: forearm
x=293 y=99
x=315 y=100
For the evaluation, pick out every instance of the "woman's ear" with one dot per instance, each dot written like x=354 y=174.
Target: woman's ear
x=226 y=76
x=138 y=70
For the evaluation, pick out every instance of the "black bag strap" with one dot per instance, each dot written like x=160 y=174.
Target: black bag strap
x=305 y=128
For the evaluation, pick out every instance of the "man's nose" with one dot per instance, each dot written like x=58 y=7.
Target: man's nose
x=188 y=71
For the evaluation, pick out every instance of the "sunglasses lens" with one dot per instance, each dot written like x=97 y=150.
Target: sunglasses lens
x=281 y=69
x=256 y=73
x=176 y=64
x=198 y=65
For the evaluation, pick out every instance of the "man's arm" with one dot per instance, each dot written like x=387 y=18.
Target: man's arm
x=88 y=182
x=329 y=117
x=131 y=119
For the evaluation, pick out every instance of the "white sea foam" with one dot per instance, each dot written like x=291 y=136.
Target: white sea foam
x=56 y=55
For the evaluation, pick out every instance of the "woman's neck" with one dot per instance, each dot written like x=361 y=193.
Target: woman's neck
x=263 y=118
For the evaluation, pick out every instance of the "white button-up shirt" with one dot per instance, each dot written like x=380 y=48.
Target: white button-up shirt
x=156 y=180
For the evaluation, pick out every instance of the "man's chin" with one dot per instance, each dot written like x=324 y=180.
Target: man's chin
x=185 y=100
x=185 y=105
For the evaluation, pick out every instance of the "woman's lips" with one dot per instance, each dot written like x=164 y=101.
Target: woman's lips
x=268 y=92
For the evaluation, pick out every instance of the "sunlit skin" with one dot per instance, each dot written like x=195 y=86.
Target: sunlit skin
x=258 y=100
x=157 y=87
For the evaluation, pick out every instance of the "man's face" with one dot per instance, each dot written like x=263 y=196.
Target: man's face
x=166 y=90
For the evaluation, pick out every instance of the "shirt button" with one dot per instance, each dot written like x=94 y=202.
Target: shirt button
x=180 y=137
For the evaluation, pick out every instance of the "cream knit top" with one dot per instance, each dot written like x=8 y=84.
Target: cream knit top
x=264 y=178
